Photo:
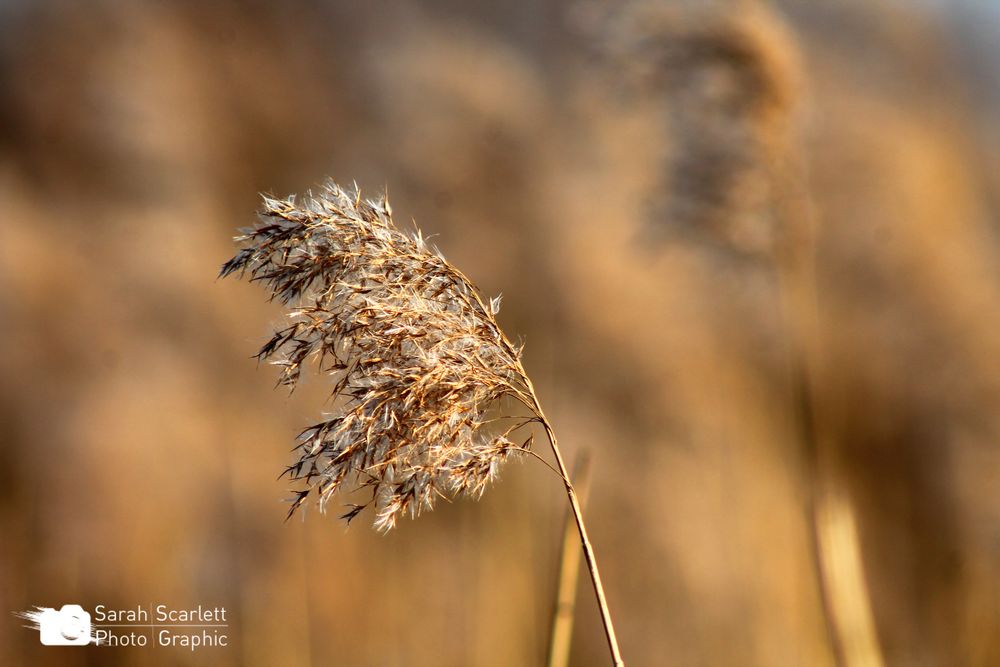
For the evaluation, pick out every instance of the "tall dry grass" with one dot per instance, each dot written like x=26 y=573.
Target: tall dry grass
x=134 y=138
x=420 y=362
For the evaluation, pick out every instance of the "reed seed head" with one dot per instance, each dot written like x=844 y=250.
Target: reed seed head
x=728 y=80
x=420 y=364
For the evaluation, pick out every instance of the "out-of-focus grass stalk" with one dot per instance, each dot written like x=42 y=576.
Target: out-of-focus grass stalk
x=848 y=593
x=836 y=547
x=561 y=635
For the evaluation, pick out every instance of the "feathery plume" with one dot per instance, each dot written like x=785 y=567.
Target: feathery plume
x=729 y=81
x=418 y=356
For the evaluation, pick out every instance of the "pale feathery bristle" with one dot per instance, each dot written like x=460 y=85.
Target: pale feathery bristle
x=417 y=355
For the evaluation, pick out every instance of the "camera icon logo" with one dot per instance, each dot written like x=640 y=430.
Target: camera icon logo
x=67 y=626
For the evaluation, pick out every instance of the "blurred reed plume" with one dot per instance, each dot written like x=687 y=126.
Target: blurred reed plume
x=728 y=89
x=421 y=363
x=729 y=82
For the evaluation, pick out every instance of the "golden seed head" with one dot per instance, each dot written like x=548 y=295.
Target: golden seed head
x=417 y=356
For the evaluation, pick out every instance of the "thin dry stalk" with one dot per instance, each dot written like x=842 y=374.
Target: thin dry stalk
x=837 y=533
x=419 y=362
x=569 y=571
x=836 y=547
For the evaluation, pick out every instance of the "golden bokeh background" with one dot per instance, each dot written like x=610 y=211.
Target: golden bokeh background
x=752 y=250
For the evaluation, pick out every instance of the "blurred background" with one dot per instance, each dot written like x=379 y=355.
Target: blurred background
x=752 y=249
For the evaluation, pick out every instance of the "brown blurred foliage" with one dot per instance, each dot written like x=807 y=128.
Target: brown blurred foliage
x=633 y=180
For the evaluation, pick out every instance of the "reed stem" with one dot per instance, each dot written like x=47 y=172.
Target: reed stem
x=588 y=550
x=561 y=635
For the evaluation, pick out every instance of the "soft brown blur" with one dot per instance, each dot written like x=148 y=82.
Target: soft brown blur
x=752 y=250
